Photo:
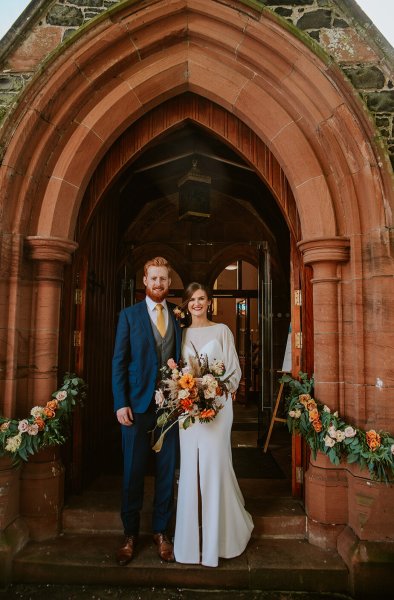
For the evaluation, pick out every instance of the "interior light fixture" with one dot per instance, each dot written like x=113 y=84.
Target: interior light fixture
x=232 y=267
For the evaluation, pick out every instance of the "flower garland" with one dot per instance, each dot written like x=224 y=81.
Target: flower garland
x=20 y=438
x=326 y=431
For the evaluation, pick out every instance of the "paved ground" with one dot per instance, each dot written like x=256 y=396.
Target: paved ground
x=74 y=592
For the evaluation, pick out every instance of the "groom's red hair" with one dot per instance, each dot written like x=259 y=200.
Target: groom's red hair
x=158 y=261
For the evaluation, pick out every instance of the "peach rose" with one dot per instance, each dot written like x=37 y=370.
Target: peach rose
x=40 y=423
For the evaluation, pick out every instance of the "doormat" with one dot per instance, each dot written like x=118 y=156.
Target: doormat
x=253 y=463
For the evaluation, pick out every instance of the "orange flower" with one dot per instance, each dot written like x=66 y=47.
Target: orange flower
x=187 y=381
x=373 y=439
x=313 y=414
x=207 y=413
x=317 y=425
x=311 y=404
x=40 y=422
x=52 y=404
x=304 y=399
x=186 y=404
x=48 y=412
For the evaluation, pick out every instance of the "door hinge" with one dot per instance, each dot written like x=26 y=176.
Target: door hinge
x=299 y=475
x=77 y=339
x=77 y=296
x=297 y=298
x=298 y=340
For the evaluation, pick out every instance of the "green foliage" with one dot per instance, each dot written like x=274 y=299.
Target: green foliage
x=46 y=425
x=327 y=432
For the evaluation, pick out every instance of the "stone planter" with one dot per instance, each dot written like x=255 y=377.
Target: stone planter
x=326 y=501
x=42 y=494
x=9 y=491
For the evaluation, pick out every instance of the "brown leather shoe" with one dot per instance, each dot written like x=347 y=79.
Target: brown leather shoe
x=126 y=552
x=165 y=549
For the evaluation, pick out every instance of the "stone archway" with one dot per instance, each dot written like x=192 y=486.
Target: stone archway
x=295 y=102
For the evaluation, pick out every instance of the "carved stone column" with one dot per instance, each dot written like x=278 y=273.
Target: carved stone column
x=50 y=254
x=42 y=477
x=326 y=485
x=324 y=255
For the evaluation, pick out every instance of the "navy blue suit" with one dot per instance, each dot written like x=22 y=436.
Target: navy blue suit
x=134 y=377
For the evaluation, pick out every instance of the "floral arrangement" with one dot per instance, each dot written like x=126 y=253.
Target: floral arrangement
x=189 y=392
x=20 y=438
x=327 y=431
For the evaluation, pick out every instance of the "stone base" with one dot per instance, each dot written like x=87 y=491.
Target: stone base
x=12 y=540
x=323 y=535
x=370 y=564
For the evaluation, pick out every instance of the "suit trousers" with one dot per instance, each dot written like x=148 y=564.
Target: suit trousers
x=137 y=453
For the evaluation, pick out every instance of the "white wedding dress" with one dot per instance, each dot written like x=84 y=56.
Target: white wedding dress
x=206 y=460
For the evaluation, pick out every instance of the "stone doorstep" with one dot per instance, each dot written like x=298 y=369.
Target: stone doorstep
x=276 y=515
x=265 y=565
x=284 y=518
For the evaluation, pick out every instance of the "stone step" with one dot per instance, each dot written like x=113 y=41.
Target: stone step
x=265 y=565
x=275 y=513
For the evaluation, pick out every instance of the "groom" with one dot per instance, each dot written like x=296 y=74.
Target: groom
x=148 y=334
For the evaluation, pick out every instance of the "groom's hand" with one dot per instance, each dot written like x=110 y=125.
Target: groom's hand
x=125 y=416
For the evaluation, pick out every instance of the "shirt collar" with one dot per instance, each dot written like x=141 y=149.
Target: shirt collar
x=152 y=304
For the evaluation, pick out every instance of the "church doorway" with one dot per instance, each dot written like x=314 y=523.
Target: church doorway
x=240 y=244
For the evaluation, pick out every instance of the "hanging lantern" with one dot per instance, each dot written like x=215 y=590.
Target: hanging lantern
x=194 y=194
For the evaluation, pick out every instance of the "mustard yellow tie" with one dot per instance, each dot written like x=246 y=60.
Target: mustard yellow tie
x=160 y=323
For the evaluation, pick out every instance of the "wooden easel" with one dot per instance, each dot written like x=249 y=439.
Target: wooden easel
x=274 y=418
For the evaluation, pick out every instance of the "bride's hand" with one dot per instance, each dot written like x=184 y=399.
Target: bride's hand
x=233 y=396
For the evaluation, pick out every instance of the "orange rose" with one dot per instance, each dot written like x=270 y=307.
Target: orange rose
x=311 y=404
x=40 y=423
x=207 y=413
x=313 y=415
x=373 y=439
x=52 y=404
x=317 y=425
x=48 y=412
x=304 y=399
x=187 y=381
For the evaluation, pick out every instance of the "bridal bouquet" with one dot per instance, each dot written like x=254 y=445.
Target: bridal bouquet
x=189 y=392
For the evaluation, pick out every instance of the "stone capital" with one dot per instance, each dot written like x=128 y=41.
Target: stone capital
x=50 y=248
x=317 y=250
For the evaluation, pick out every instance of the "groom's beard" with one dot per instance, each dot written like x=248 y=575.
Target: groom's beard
x=157 y=294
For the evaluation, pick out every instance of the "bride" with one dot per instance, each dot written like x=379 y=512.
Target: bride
x=206 y=469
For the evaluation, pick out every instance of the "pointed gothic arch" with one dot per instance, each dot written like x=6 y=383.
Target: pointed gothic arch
x=300 y=108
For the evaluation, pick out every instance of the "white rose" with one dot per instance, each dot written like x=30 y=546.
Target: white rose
x=332 y=432
x=349 y=432
x=326 y=408
x=329 y=442
x=37 y=411
x=62 y=395
x=340 y=436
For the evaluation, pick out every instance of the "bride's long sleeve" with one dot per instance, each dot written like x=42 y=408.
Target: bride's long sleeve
x=230 y=359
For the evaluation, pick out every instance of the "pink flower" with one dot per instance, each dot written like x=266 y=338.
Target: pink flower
x=23 y=425
x=32 y=429
x=171 y=363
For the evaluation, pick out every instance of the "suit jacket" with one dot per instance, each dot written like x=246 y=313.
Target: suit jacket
x=134 y=363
